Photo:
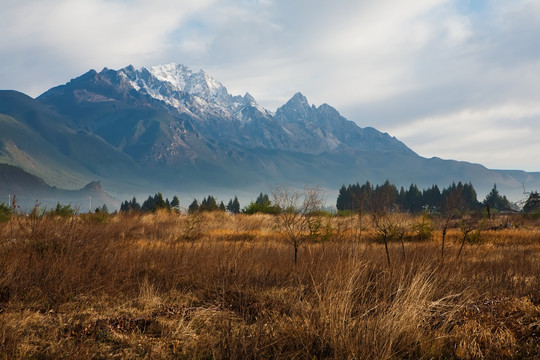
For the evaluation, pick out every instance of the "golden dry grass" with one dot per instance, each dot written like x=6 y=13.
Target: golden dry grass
x=169 y=286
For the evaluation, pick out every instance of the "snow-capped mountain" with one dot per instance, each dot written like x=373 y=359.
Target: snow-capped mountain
x=195 y=115
x=171 y=83
x=170 y=126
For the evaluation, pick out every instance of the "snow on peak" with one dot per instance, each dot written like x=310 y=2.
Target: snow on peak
x=171 y=82
x=184 y=79
x=172 y=73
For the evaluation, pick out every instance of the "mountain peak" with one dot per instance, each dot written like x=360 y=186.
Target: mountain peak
x=248 y=99
x=296 y=109
x=298 y=100
x=93 y=186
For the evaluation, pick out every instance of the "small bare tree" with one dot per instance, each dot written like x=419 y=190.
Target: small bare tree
x=399 y=229
x=452 y=207
x=384 y=227
x=383 y=205
x=299 y=211
x=470 y=226
x=356 y=217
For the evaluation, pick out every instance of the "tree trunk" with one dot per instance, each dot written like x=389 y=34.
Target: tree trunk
x=461 y=247
x=442 y=246
x=295 y=253
x=386 y=248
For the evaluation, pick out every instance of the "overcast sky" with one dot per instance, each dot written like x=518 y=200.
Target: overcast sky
x=453 y=79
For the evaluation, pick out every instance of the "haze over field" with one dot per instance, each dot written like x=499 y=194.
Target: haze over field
x=454 y=79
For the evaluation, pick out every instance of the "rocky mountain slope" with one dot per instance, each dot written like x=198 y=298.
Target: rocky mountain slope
x=167 y=127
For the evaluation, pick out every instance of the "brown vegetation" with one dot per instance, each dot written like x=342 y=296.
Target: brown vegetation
x=222 y=286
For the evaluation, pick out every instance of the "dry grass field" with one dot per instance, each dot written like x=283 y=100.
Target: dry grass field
x=221 y=286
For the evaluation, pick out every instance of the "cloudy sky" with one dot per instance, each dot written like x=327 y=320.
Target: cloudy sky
x=453 y=79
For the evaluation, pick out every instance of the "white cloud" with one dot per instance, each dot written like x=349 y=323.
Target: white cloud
x=502 y=136
x=415 y=69
x=73 y=35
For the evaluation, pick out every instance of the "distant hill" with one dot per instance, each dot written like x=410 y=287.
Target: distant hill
x=169 y=128
x=30 y=190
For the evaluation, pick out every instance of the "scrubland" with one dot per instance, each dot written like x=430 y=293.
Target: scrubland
x=221 y=286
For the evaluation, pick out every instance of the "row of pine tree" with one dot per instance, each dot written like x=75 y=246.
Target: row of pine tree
x=354 y=197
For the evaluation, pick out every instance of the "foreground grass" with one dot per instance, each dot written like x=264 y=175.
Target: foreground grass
x=221 y=286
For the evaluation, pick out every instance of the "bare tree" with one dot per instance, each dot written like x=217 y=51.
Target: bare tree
x=470 y=226
x=399 y=229
x=356 y=217
x=383 y=204
x=384 y=227
x=299 y=211
x=452 y=207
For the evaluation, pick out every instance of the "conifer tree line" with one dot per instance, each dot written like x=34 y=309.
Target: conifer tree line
x=152 y=204
x=366 y=197
x=156 y=202
x=354 y=197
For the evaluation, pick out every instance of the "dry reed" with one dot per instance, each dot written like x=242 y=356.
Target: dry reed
x=142 y=286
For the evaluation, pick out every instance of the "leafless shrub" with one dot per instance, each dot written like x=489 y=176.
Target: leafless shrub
x=299 y=213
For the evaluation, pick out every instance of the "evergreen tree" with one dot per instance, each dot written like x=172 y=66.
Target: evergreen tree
x=193 y=207
x=344 y=198
x=175 y=203
x=154 y=203
x=134 y=205
x=385 y=196
x=262 y=200
x=414 y=199
x=402 y=199
x=234 y=205
x=355 y=197
x=533 y=203
x=222 y=206
x=159 y=203
x=432 y=197
x=495 y=201
x=208 y=204
x=148 y=204
x=261 y=205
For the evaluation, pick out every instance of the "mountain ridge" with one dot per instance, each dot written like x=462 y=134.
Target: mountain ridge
x=170 y=127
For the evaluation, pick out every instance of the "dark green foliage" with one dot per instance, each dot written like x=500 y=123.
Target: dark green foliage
x=532 y=205
x=209 y=204
x=103 y=210
x=261 y=205
x=365 y=197
x=432 y=197
x=129 y=206
x=193 y=207
x=355 y=197
x=234 y=205
x=154 y=203
x=175 y=203
x=62 y=210
x=495 y=201
x=5 y=212
x=467 y=194
x=413 y=199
